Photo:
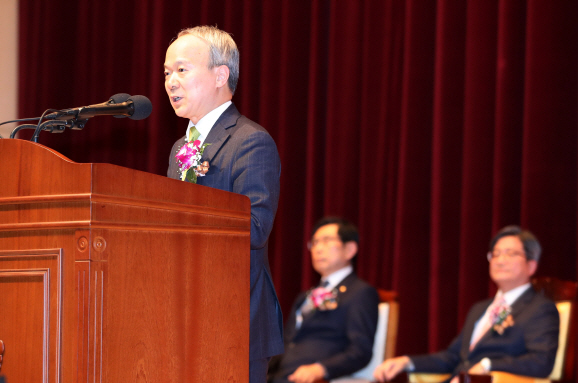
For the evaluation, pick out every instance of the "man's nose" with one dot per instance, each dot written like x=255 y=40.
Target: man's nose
x=172 y=81
x=501 y=259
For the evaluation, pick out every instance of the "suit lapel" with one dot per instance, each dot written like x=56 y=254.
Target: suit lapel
x=300 y=301
x=469 y=328
x=344 y=285
x=291 y=328
x=174 y=164
x=219 y=134
x=523 y=301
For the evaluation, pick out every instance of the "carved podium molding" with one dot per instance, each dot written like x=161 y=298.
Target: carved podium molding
x=31 y=285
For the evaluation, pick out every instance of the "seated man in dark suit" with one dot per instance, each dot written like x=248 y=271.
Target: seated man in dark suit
x=515 y=332
x=330 y=330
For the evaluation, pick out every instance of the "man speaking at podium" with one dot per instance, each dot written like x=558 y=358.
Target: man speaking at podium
x=225 y=150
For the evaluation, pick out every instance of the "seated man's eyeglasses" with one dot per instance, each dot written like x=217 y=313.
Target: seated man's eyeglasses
x=508 y=253
x=323 y=241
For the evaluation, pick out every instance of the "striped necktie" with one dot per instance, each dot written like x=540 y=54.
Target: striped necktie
x=486 y=324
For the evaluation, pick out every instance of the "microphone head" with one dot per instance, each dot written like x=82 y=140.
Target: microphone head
x=142 y=107
x=117 y=99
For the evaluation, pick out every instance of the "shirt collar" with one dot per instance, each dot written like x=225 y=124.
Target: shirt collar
x=205 y=124
x=511 y=296
x=337 y=276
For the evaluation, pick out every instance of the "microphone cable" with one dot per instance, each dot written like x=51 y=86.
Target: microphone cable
x=39 y=125
x=60 y=126
x=20 y=120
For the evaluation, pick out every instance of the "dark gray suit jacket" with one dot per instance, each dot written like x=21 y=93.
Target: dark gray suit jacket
x=243 y=159
x=340 y=339
x=527 y=348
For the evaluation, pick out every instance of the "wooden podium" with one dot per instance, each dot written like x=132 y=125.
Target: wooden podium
x=114 y=275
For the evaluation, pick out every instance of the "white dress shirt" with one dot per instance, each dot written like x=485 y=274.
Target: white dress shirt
x=337 y=277
x=205 y=124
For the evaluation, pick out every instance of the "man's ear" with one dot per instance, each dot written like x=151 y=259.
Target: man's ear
x=532 y=267
x=222 y=75
x=350 y=249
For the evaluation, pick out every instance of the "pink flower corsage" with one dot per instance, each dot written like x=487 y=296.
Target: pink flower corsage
x=320 y=299
x=189 y=156
x=501 y=318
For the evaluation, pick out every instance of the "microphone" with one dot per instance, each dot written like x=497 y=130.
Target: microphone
x=117 y=99
x=120 y=105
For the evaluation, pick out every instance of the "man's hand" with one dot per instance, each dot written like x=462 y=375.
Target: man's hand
x=390 y=368
x=477 y=369
x=308 y=373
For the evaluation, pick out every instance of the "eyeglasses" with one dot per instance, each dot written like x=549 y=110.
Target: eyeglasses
x=323 y=240
x=508 y=253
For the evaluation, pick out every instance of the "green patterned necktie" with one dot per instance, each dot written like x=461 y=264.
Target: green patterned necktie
x=194 y=135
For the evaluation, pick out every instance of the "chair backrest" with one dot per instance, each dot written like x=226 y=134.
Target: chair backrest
x=385 y=334
x=565 y=295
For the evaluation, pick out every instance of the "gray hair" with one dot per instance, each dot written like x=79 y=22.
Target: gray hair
x=222 y=50
x=531 y=245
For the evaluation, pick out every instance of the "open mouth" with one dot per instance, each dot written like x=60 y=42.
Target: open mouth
x=175 y=99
